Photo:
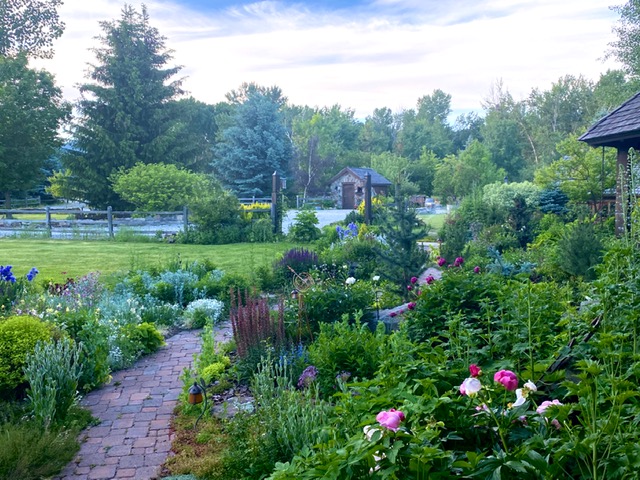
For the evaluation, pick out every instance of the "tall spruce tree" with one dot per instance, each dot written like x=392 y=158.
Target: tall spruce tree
x=254 y=146
x=401 y=257
x=125 y=114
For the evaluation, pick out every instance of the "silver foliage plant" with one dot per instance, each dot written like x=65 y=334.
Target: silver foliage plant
x=53 y=371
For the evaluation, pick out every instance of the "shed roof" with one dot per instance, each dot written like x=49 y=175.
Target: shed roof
x=620 y=128
x=360 y=172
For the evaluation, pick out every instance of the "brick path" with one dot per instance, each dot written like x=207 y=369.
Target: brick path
x=133 y=440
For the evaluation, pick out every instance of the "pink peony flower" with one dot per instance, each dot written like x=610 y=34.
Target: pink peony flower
x=429 y=280
x=507 y=378
x=419 y=292
x=411 y=305
x=475 y=370
x=476 y=269
x=471 y=386
x=441 y=261
x=409 y=287
x=390 y=419
x=546 y=404
x=414 y=279
x=393 y=314
x=458 y=262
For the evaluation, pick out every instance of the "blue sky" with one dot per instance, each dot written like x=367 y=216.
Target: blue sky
x=360 y=54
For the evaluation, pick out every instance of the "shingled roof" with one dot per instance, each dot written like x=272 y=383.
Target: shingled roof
x=620 y=128
x=360 y=172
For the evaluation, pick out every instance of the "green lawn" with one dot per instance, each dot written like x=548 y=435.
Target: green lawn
x=434 y=221
x=59 y=259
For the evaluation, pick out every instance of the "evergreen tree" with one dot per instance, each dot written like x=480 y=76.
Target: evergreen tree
x=125 y=116
x=401 y=257
x=254 y=146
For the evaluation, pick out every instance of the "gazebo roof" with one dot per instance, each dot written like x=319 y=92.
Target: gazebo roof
x=620 y=128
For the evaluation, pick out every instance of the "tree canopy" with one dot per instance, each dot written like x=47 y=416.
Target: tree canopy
x=29 y=27
x=159 y=186
x=126 y=115
x=254 y=146
x=31 y=111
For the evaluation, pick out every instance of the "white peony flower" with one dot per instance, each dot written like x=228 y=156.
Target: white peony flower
x=471 y=386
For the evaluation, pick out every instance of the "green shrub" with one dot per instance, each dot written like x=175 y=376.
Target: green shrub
x=328 y=301
x=350 y=348
x=29 y=452
x=94 y=339
x=458 y=292
x=145 y=337
x=579 y=250
x=304 y=227
x=19 y=336
x=53 y=371
x=214 y=371
x=359 y=254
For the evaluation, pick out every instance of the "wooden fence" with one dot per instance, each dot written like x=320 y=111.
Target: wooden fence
x=72 y=223
x=23 y=202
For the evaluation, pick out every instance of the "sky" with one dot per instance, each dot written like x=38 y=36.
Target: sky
x=360 y=54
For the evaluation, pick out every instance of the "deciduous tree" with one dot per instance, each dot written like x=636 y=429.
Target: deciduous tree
x=31 y=112
x=29 y=27
x=159 y=186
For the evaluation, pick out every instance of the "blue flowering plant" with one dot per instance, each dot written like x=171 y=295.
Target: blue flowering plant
x=12 y=287
x=349 y=233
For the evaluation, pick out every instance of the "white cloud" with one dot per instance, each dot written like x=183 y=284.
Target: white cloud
x=388 y=55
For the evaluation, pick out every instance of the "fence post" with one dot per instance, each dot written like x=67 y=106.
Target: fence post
x=367 y=198
x=275 y=183
x=47 y=216
x=110 y=221
x=185 y=220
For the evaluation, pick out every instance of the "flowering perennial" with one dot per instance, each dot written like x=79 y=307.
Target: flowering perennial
x=507 y=378
x=308 y=376
x=390 y=419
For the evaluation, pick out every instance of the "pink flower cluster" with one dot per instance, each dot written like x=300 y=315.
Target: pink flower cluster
x=390 y=419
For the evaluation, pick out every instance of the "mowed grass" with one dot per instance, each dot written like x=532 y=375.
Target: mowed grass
x=59 y=259
x=434 y=221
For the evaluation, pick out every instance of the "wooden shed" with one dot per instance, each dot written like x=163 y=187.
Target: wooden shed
x=347 y=187
x=619 y=129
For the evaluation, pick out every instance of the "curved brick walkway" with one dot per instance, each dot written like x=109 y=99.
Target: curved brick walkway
x=133 y=439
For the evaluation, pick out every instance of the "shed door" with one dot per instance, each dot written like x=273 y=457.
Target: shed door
x=348 y=196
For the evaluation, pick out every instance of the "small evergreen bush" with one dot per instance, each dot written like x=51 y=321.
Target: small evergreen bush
x=579 y=250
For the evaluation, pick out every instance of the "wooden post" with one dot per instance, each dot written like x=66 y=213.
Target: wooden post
x=367 y=199
x=110 y=221
x=622 y=191
x=47 y=216
x=275 y=183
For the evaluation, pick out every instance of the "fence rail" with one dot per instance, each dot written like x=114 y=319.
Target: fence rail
x=26 y=202
x=91 y=222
